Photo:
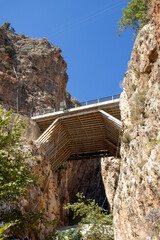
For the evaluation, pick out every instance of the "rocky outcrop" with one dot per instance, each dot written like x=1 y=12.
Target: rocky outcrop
x=40 y=69
x=137 y=199
x=110 y=167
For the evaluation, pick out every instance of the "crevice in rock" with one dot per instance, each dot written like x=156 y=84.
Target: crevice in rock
x=84 y=176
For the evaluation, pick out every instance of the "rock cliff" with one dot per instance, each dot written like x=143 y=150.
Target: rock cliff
x=137 y=199
x=40 y=69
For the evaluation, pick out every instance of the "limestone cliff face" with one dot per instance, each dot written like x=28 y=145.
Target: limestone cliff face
x=137 y=199
x=49 y=195
x=110 y=167
x=40 y=68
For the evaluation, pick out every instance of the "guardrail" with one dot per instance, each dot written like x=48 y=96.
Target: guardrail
x=76 y=105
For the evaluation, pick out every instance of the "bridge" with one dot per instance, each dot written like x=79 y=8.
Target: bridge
x=89 y=128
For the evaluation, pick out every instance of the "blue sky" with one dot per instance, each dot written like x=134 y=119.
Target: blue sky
x=85 y=30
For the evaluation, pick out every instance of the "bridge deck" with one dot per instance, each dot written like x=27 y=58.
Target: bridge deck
x=84 y=129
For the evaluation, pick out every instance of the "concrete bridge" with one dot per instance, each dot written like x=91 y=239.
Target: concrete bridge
x=89 y=128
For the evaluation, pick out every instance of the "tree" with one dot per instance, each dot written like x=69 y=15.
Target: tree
x=134 y=17
x=95 y=221
x=15 y=175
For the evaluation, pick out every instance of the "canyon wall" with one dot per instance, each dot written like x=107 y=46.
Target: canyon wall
x=41 y=72
x=137 y=200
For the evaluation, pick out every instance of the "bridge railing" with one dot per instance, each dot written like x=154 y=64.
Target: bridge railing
x=77 y=104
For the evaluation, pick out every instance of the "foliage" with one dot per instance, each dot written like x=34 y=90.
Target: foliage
x=134 y=17
x=15 y=176
x=7 y=25
x=73 y=234
x=3 y=229
x=75 y=102
x=95 y=221
x=8 y=49
x=154 y=141
x=68 y=95
x=138 y=108
x=126 y=138
x=29 y=220
x=6 y=65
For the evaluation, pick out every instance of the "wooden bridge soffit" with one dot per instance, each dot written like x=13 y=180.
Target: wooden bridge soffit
x=79 y=132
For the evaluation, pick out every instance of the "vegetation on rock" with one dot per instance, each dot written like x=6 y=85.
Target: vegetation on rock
x=16 y=177
x=8 y=49
x=95 y=222
x=7 y=26
x=134 y=17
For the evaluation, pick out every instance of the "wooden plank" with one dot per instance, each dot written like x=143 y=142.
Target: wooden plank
x=53 y=136
x=43 y=136
x=59 y=148
x=112 y=119
x=62 y=137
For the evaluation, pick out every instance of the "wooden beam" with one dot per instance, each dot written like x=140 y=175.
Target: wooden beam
x=112 y=119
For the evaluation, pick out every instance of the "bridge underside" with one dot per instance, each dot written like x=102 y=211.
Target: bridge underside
x=80 y=131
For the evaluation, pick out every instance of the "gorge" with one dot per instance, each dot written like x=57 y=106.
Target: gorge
x=128 y=185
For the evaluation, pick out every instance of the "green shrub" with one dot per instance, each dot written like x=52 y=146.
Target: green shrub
x=134 y=17
x=70 y=234
x=6 y=25
x=154 y=141
x=4 y=229
x=28 y=221
x=75 y=102
x=9 y=50
x=137 y=73
x=138 y=109
x=126 y=138
x=6 y=65
x=95 y=221
x=68 y=95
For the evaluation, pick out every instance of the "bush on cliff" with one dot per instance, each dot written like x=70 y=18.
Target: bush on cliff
x=7 y=26
x=134 y=17
x=95 y=222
